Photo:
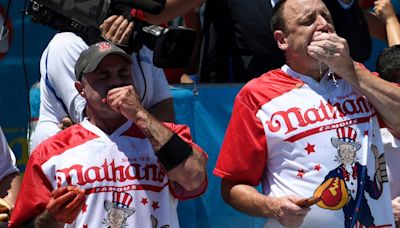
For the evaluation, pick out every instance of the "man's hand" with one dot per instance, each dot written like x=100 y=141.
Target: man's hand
x=124 y=100
x=5 y=210
x=396 y=209
x=66 y=203
x=384 y=11
x=65 y=123
x=332 y=50
x=287 y=212
x=116 y=29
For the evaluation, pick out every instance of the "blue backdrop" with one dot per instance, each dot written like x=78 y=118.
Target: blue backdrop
x=207 y=112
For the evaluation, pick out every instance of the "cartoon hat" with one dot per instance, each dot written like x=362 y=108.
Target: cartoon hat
x=121 y=200
x=346 y=135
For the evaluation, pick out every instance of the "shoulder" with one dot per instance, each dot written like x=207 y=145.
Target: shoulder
x=65 y=43
x=61 y=142
x=268 y=86
x=66 y=39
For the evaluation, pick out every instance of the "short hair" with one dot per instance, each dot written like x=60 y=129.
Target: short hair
x=388 y=61
x=277 y=20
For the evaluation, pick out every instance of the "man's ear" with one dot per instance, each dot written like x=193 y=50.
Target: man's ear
x=80 y=88
x=281 y=40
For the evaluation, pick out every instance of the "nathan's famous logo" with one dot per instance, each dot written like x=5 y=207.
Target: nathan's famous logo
x=110 y=172
x=295 y=117
x=5 y=32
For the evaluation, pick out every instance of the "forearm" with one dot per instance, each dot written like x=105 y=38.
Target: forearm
x=155 y=131
x=173 y=9
x=375 y=26
x=393 y=31
x=46 y=220
x=383 y=95
x=10 y=187
x=190 y=173
x=246 y=199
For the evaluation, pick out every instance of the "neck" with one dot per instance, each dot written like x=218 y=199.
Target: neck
x=106 y=123
x=316 y=72
x=107 y=126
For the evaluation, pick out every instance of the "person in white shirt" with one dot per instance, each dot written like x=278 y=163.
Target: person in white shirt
x=119 y=166
x=59 y=98
x=10 y=180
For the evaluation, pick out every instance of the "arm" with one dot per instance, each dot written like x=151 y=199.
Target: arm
x=10 y=180
x=64 y=206
x=9 y=188
x=247 y=199
x=190 y=172
x=173 y=8
x=384 y=96
x=117 y=29
x=385 y=12
x=396 y=210
x=375 y=26
x=57 y=66
x=37 y=201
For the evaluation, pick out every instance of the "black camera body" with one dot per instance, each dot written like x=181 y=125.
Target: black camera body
x=172 y=46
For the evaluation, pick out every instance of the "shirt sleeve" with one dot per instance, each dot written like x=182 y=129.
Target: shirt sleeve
x=34 y=195
x=177 y=190
x=244 y=150
x=7 y=158
x=58 y=95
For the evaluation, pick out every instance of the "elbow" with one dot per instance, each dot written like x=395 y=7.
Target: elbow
x=194 y=181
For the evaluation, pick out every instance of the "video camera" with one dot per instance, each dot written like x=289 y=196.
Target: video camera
x=172 y=47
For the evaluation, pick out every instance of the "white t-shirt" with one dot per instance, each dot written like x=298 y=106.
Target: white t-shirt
x=7 y=158
x=120 y=174
x=58 y=95
x=392 y=156
x=287 y=132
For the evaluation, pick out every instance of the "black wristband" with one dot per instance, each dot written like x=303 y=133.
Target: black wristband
x=173 y=152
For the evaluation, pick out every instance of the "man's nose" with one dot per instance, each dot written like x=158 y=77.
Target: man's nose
x=322 y=24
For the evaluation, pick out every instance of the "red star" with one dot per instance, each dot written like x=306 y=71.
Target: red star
x=84 y=208
x=300 y=173
x=366 y=132
x=144 y=201
x=155 y=205
x=310 y=148
x=317 y=167
x=85 y=226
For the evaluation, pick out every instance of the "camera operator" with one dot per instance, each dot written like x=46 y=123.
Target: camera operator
x=59 y=98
